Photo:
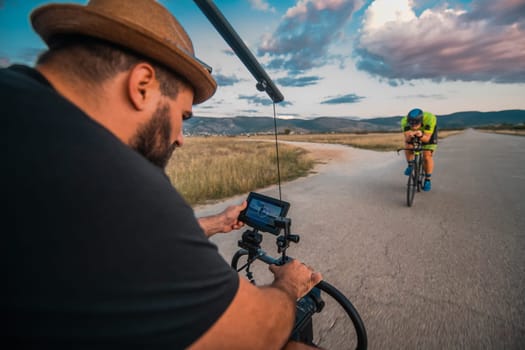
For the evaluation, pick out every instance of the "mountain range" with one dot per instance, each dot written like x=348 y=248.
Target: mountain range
x=242 y=125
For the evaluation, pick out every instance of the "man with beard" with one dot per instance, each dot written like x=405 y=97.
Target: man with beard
x=103 y=251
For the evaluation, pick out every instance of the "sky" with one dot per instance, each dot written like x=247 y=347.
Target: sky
x=342 y=58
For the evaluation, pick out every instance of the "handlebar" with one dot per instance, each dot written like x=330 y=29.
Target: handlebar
x=418 y=145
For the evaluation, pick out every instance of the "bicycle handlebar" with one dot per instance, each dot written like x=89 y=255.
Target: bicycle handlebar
x=418 y=145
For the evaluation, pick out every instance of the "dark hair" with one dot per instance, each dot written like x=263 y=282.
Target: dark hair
x=95 y=60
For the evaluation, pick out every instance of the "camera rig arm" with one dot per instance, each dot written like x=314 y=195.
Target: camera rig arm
x=217 y=19
x=311 y=303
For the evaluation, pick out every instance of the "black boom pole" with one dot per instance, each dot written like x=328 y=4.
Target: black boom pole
x=264 y=83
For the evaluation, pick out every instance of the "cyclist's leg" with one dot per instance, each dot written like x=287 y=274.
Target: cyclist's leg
x=428 y=153
x=409 y=155
x=429 y=161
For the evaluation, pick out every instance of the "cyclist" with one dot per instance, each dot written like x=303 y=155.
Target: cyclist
x=423 y=125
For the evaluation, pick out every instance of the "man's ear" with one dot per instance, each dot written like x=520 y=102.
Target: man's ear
x=141 y=85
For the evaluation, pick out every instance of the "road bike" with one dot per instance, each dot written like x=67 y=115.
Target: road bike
x=416 y=177
x=272 y=220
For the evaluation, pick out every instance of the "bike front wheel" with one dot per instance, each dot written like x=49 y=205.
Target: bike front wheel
x=420 y=174
x=412 y=185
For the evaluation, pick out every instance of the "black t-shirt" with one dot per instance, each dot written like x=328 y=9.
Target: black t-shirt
x=99 y=246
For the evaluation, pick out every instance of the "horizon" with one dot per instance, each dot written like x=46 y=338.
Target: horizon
x=364 y=58
x=285 y=117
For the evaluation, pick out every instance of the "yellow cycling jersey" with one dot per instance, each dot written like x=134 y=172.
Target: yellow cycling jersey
x=428 y=126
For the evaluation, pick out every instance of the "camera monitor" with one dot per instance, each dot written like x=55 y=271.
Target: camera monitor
x=262 y=211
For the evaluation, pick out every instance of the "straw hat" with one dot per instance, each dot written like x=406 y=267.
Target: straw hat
x=143 y=26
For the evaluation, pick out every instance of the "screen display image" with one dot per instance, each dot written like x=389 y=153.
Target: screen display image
x=262 y=211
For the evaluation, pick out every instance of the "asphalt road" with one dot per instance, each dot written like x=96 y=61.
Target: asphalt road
x=447 y=273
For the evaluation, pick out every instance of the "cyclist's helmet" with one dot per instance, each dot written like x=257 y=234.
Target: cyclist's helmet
x=415 y=116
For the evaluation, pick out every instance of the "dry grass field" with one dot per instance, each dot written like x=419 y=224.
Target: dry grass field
x=517 y=132
x=373 y=141
x=212 y=168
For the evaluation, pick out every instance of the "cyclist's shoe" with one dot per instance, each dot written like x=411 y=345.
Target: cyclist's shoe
x=427 y=186
x=408 y=170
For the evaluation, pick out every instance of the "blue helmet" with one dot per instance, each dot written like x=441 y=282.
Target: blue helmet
x=415 y=116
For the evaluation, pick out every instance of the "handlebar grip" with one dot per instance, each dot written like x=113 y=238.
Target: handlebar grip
x=294 y=238
x=269 y=260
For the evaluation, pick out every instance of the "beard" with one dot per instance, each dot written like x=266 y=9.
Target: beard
x=152 y=139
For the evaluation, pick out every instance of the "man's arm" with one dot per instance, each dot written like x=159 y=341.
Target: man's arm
x=430 y=126
x=426 y=137
x=261 y=317
x=223 y=222
x=409 y=134
x=423 y=136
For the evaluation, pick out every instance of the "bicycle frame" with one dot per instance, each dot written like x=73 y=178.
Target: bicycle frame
x=417 y=176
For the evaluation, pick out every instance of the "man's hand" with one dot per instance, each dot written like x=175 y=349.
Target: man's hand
x=262 y=318
x=230 y=217
x=295 y=278
x=224 y=222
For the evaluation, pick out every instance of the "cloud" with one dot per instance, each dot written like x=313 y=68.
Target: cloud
x=503 y=12
x=422 y=96
x=224 y=80
x=306 y=31
x=486 y=44
x=4 y=61
x=299 y=81
x=262 y=101
x=289 y=116
x=350 y=98
x=261 y=5
x=24 y=55
x=229 y=52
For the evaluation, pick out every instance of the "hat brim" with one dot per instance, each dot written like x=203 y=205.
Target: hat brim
x=56 y=19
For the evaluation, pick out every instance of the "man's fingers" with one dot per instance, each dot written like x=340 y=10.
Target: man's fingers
x=316 y=278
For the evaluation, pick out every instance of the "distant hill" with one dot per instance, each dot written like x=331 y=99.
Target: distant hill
x=259 y=125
